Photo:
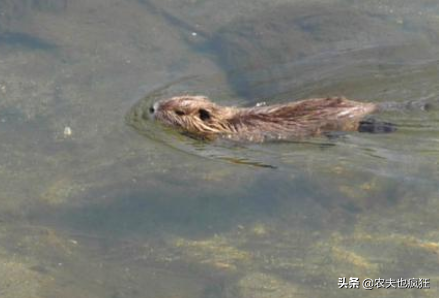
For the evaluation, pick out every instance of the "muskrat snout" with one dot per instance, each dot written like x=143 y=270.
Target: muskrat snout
x=151 y=113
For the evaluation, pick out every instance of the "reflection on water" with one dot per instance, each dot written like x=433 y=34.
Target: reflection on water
x=105 y=211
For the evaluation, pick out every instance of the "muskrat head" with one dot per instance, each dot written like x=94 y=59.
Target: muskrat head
x=196 y=115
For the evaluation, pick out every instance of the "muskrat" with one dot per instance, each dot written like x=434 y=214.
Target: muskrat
x=199 y=117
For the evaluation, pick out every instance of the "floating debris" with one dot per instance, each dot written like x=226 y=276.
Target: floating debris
x=67 y=131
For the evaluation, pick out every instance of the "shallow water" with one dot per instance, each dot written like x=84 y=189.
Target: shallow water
x=96 y=203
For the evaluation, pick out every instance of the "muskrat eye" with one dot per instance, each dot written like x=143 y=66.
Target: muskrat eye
x=179 y=113
x=151 y=110
x=204 y=115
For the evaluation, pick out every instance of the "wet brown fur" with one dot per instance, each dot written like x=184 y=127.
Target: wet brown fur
x=200 y=117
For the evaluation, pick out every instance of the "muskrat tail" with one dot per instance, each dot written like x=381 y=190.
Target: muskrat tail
x=423 y=104
x=372 y=125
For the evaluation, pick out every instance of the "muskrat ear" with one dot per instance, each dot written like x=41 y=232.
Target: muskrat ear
x=204 y=115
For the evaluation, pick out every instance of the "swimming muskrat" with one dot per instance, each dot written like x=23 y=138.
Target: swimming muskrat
x=199 y=117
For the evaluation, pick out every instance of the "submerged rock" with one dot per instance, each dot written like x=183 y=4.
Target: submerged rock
x=16 y=17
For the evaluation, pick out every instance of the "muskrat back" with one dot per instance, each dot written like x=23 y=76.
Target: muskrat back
x=199 y=117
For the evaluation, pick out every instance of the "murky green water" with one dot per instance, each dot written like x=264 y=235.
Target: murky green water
x=93 y=207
